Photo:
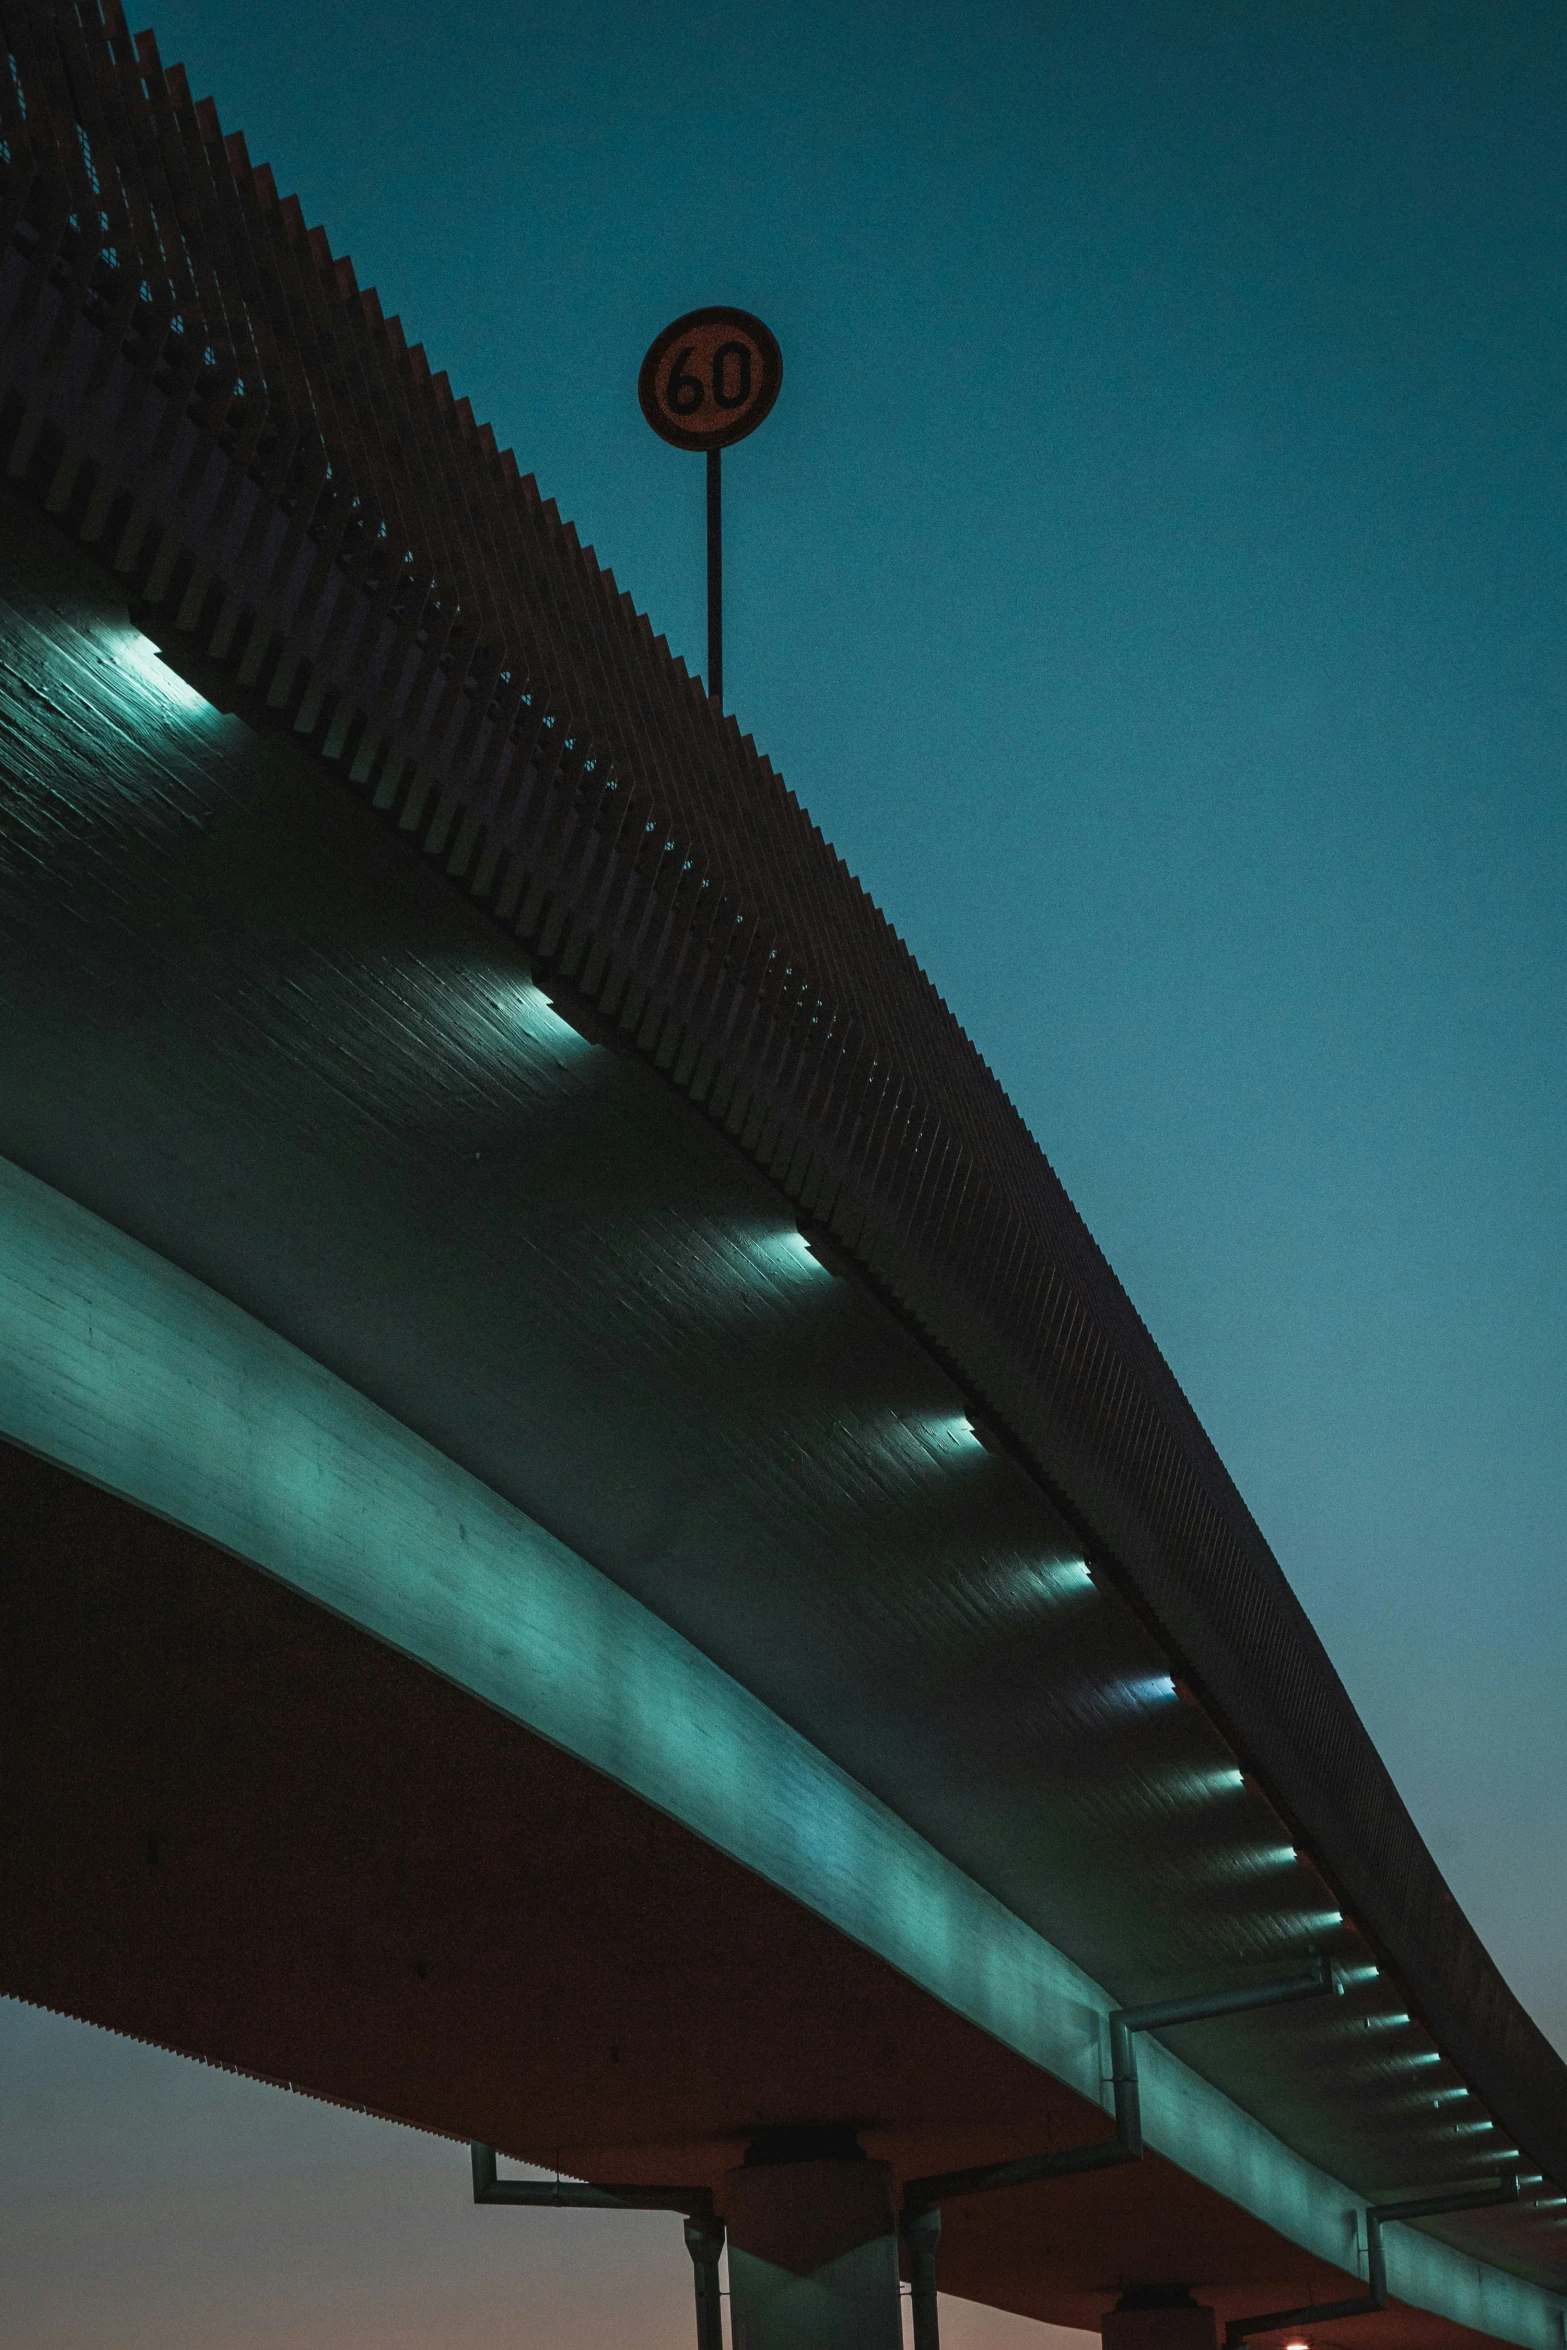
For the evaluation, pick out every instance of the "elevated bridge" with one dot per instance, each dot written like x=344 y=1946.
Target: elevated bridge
x=594 y=1557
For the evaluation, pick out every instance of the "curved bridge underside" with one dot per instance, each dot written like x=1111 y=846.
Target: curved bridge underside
x=594 y=1558
x=785 y=1805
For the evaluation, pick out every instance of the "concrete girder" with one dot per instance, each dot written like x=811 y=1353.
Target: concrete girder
x=129 y=1373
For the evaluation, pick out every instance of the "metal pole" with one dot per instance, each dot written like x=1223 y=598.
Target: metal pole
x=705 y=2243
x=715 y=575
x=922 y=2234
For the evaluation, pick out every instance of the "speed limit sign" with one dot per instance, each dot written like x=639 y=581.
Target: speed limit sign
x=710 y=378
x=707 y=381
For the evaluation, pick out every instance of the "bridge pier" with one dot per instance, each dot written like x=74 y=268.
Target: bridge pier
x=813 y=2247
x=1162 y=2318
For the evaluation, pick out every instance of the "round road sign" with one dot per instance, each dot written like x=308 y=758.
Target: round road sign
x=710 y=378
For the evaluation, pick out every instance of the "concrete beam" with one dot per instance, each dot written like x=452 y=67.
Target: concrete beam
x=120 y=1367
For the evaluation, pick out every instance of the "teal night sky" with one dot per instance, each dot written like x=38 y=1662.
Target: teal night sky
x=1152 y=579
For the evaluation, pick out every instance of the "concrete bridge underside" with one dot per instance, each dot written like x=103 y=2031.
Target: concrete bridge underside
x=241 y=1826
x=506 y=1627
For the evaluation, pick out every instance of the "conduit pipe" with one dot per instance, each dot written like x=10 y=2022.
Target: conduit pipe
x=703 y=2230
x=922 y=2198
x=1240 y=2329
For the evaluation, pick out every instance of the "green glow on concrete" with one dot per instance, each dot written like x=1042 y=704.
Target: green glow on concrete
x=532 y=1010
x=1037 y=1583
x=142 y=659
x=784 y=1259
x=927 y=1447
x=1262 y=1860
x=1202 y=1785
x=129 y=1372
x=791 y=1250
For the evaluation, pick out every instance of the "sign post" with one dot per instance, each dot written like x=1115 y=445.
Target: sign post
x=708 y=380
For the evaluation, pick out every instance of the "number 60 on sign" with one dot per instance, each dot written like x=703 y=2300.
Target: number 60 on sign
x=710 y=378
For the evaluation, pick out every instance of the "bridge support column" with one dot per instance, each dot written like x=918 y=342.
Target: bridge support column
x=1164 y=2318
x=813 y=2253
